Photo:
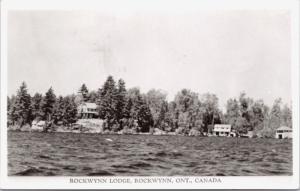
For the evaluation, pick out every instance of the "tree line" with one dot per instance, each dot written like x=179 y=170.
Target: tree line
x=130 y=110
x=23 y=108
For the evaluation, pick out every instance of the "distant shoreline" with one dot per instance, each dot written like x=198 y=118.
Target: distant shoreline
x=137 y=134
x=102 y=133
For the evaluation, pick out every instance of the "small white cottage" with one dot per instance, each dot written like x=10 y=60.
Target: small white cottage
x=87 y=110
x=222 y=130
x=284 y=132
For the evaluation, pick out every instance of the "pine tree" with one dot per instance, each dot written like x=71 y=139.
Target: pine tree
x=21 y=110
x=70 y=110
x=162 y=117
x=58 y=110
x=120 y=100
x=36 y=105
x=48 y=105
x=128 y=108
x=107 y=101
x=137 y=104
x=144 y=117
x=138 y=110
x=84 y=92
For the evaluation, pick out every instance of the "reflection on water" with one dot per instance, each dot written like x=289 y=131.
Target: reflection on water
x=70 y=154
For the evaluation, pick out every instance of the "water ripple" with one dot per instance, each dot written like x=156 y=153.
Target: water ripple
x=67 y=154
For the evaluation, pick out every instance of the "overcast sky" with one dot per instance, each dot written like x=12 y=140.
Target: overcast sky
x=222 y=52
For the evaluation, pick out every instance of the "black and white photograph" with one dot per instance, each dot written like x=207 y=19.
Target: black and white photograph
x=149 y=93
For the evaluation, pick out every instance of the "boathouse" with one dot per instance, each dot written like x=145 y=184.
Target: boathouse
x=87 y=110
x=223 y=130
x=284 y=132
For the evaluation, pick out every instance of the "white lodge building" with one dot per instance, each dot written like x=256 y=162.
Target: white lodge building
x=284 y=132
x=87 y=110
x=222 y=130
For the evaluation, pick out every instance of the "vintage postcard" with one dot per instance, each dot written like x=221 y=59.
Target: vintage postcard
x=107 y=94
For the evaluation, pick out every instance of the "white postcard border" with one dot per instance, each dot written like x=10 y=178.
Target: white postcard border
x=255 y=182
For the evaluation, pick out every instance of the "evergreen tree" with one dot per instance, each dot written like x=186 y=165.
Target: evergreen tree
x=138 y=110
x=59 y=110
x=48 y=105
x=144 y=117
x=134 y=98
x=120 y=100
x=21 y=111
x=84 y=92
x=173 y=115
x=137 y=104
x=36 y=105
x=107 y=101
x=70 y=110
x=128 y=108
x=164 y=120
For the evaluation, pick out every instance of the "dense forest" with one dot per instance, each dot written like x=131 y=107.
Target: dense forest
x=130 y=109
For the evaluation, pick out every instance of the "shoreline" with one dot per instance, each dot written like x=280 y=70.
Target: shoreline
x=137 y=134
x=102 y=133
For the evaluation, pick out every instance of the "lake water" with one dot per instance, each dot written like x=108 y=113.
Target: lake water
x=71 y=154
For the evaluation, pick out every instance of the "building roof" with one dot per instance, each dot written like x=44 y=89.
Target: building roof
x=284 y=128
x=90 y=105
